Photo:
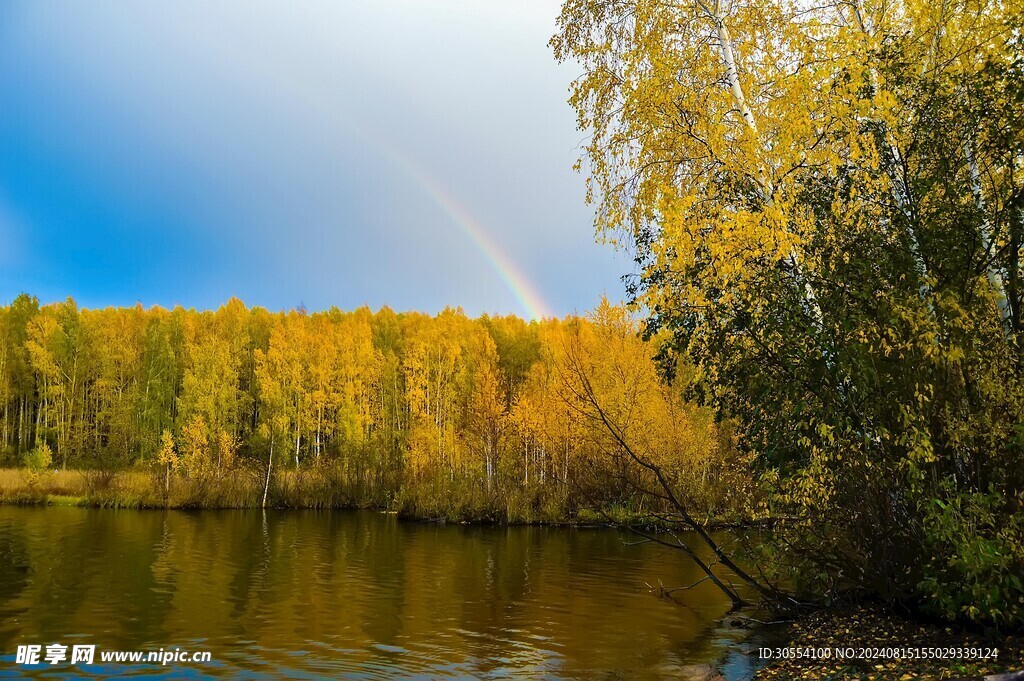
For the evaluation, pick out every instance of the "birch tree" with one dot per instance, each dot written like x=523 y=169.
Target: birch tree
x=824 y=203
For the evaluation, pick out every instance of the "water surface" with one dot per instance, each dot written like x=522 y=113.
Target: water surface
x=310 y=594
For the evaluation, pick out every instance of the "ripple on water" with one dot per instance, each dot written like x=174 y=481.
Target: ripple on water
x=355 y=594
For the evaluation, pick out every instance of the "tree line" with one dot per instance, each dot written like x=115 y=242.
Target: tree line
x=444 y=414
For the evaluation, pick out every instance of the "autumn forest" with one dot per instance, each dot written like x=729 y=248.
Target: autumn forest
x=441 y=416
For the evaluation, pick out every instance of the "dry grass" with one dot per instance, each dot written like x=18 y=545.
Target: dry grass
x=242 y=487
x=237 y=488
x=24 y=486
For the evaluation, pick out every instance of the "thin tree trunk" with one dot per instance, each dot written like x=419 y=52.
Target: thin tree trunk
x=985 y=231
x=716 y=16
x=731 y=72
x=901 y=191
x=270 y=462
x=1014 y=288
x=39 y=414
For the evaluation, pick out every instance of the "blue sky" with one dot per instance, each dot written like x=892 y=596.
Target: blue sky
x=292 y=153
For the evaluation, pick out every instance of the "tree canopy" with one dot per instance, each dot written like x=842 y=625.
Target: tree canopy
x=826 y=205
x=444 y=415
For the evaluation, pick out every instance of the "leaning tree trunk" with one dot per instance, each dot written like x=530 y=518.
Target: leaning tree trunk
x=270 y=463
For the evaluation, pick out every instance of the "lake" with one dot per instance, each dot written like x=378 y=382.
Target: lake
x=355 y=594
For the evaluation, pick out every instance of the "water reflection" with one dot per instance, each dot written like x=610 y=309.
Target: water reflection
x=304 y=594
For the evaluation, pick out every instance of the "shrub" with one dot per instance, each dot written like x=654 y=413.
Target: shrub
x=38 y=459
x=977 y=559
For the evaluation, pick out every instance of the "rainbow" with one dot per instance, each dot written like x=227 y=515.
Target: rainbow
x=506 y=269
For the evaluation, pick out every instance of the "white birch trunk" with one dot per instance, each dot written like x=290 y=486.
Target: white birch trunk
x=994 y=276
x=900 y=190
x=270 y=462
x=732 y=75
x=731 y=71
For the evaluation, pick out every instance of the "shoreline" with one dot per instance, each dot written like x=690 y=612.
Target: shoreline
x=133 y=490
x=67 y=501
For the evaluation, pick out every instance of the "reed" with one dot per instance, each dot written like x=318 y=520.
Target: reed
x=433 y=497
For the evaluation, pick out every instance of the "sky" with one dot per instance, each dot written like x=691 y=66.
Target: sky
x=410 y=153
